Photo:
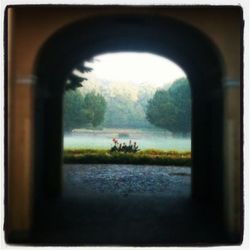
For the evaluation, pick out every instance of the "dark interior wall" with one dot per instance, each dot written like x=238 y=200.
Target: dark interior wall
x=32 y=27
x=221 y=25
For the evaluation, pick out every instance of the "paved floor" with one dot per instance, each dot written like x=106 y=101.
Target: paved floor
x=80 y=180
x=128 y=205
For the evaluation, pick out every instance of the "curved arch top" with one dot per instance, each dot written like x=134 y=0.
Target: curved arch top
x=79 y=41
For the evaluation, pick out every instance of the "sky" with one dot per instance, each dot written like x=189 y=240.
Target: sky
x=135 y=67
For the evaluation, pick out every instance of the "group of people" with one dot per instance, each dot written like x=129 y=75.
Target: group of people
x=123 y=147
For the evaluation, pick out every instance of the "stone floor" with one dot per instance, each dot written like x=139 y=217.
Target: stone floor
x=128 y=205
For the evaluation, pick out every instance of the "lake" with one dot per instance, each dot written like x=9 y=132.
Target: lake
x=145 y=139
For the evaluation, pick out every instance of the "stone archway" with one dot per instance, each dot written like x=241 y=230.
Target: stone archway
x=183 y=44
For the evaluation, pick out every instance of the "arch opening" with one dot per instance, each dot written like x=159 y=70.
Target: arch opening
x=128 y=108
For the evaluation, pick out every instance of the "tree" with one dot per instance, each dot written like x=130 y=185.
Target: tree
x=75 y=78
x=73 y=103
x=171 y=109
x=94 y=107
x=80 y=111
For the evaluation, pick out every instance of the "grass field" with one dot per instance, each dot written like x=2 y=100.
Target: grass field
x=144 y=157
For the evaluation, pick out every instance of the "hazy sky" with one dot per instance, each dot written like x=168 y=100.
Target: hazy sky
x=135 y=67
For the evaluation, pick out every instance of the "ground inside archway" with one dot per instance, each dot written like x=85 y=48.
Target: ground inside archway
x=128 y=204
x=126 y=180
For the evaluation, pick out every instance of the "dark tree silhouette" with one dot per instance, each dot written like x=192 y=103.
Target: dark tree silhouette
x=75 y=81
x=171 y=109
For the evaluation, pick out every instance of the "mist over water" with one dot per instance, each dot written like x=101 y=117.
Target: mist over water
x=145 y=140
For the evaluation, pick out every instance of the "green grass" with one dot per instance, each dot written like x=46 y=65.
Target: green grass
x=144 y=157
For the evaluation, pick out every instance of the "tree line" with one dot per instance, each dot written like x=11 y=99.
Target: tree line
x=169 y=109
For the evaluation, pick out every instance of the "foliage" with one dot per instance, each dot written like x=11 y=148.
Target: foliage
x=82 y=111
x=73 y=80
x=73 y=105
x=133 y=106
x=125 y=112
x=145 y=157
x=94 y=107
x=126 y=101
x=171 y=109
x=123 y=147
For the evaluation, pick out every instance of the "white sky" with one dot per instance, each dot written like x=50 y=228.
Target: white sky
x=135 y=67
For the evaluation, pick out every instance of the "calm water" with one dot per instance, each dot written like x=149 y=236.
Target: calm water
x=145 y=141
